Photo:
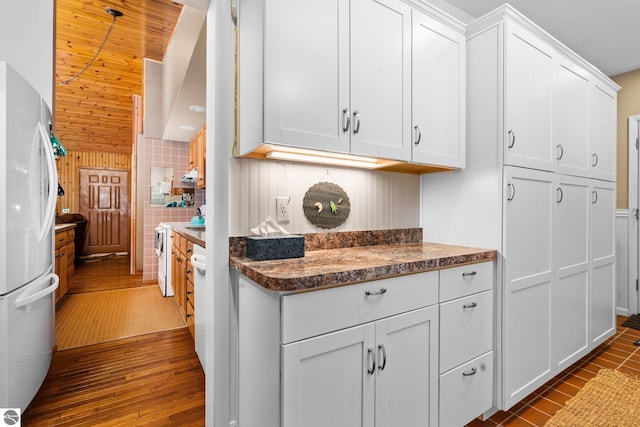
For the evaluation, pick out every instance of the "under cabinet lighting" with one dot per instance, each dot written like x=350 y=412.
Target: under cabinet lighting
x=366 y=163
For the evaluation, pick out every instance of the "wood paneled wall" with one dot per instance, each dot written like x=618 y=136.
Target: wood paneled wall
x=69 y=173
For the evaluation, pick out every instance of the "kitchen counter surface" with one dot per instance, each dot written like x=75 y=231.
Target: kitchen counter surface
x=195 y=234
x=348 y=265
x=62 y=227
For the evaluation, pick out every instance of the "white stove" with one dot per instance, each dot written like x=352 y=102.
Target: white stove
x=162 y=243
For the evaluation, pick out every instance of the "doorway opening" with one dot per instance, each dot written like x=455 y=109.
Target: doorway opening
x=634 y=214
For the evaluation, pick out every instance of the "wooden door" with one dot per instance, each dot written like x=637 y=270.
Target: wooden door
x=104 y=201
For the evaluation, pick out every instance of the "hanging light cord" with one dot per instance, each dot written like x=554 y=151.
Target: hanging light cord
x=106 y=36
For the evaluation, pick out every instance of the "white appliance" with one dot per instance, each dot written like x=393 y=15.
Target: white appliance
x=199 y=262
x=28 y=191
x=162 y=243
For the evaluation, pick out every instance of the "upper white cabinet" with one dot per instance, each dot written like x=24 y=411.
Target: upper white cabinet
x=603 y=132
x=527 y=82
x=306 y=74
x=380 y=79
x=570 y=115
x=438 y=92
x=365 y=77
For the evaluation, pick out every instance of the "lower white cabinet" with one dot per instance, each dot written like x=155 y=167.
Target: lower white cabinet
x=378 y=374
x=466 y=391
x=376 y=354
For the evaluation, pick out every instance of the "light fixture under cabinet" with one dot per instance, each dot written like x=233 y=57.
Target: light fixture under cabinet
x=319 y=157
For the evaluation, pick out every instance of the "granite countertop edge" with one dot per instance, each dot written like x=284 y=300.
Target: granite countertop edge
x=326 y=268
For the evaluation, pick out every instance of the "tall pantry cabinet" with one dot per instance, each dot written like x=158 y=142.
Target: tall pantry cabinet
x=539 y=186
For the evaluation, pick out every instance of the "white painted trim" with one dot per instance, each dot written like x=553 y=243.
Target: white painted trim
x=633 y=204
x=623 y=273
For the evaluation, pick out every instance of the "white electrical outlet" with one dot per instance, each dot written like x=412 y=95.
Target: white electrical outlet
x=65 y=210
x=282 y=209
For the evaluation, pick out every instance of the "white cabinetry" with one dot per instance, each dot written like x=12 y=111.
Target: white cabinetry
x=378 y=374
x=602 y=265
x=528 y=282
x=531 y=193
x=527 y=89
x=341 y=76
x=438 y=92
x=466 y=343
x=571 y=232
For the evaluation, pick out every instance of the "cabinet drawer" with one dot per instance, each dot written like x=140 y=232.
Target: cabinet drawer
x=466 y=329
x=465 y=280
x=466 y=392
x=191 y=318
x=313 y=313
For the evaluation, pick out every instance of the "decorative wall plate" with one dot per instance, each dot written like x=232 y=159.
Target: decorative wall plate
x=326 y=205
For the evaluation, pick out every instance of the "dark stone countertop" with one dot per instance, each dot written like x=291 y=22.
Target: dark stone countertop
x=322 y=268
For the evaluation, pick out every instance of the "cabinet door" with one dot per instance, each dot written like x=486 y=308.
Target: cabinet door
x=603 y=208
x=329 y=380
x=571 y=88
x=603 y=133
x=528 y=71
x=528 y=279
x=201 y=157
x=380 y=78
x=306 y=74
x=407 y=369
x=571 y=232
x=437 y=93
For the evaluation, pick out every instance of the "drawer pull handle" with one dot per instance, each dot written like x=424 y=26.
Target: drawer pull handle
x=470 y=372
x=384 y=356
x=472 y=305
x=379 y=292
x=469 y=273
x=372 y=357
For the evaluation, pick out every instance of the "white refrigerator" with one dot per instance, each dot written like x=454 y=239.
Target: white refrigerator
x=28 y=191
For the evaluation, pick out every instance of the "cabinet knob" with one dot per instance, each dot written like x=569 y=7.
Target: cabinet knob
x=512 y=136
x=470 y=372
x=346 y=120
x=372 y=368
x=378 y=292
x=356 y=126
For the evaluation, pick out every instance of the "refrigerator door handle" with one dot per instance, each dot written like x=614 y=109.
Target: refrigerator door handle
x=23 y=300
x=53 y=184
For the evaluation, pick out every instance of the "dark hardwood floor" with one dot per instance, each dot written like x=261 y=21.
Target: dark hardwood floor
x=152 y=379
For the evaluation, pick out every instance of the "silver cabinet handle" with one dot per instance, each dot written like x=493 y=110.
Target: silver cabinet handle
x=560 y=151
x=469 y=273
x=470 y=372
x=418 y=134
x=372 y=357
x=595 y=160
x=594 y=197
x=384 y=356
x=378 y=292
x=356 y=126
x=472 y=305
x=512 y=135
x=512 y=190
x=560 y=195
x=346 y=120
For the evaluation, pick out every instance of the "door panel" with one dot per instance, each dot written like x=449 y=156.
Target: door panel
x=104 y=201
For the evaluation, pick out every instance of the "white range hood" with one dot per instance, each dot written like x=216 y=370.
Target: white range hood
x=191 y=176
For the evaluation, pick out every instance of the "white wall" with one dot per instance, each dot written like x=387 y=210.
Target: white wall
x=379 y=200
x=27 y=42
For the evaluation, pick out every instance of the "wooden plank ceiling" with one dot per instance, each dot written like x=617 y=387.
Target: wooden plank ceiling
x=94 y=112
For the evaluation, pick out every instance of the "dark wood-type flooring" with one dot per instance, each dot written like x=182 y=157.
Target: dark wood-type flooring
x=152 y=379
